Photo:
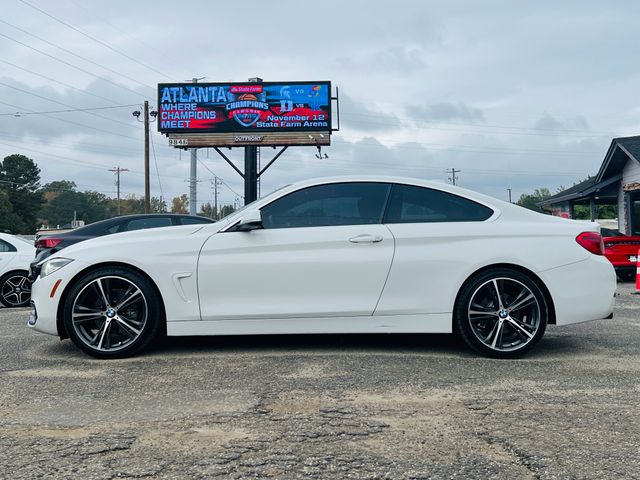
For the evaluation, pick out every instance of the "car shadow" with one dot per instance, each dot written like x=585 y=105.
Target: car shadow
x=317 y=343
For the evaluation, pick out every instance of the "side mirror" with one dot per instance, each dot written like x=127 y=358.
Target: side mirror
x=251 y=220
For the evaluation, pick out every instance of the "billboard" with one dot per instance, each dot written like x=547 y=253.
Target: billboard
x=244 y=107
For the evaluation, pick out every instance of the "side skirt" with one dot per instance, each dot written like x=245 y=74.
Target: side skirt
x=432 y=323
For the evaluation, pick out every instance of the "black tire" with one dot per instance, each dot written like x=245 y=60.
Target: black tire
x=498 y=326
x=120 y=326
x=15 y=289
x=627 y=276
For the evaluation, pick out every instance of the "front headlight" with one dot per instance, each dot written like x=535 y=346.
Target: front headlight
x=53 y=265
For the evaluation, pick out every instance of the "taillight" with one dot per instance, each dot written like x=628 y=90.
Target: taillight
x=591 y=241
x=47 y=242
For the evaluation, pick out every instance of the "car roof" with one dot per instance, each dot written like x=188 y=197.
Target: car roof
x=103 y=224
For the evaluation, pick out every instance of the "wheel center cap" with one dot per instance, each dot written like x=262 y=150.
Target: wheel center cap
x=503 y=314
x=110 y=313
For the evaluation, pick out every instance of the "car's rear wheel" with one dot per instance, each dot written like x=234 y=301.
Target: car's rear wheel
x=112 y=313
x=15 y=289
x=501 y=313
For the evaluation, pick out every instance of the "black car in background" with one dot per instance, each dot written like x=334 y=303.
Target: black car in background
x=47 y=245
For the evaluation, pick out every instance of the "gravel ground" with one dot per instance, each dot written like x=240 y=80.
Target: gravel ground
x=321 y=407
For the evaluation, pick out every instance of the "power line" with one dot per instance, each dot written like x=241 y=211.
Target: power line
x=220 y=178
x=474 y=125
x=155 y=160
x=20 y=114
x=71 y=122
x=120 y=74
x=106 y=45
x=476 y=148
x=86 y=92
x=88 y=111
x=95 y=17
x=71 y=65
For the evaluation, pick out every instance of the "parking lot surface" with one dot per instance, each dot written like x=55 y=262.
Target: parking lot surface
x=362 y=406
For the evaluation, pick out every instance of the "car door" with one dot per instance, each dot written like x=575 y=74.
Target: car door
x=323 y=252
x=8 y=254
x=437 y=236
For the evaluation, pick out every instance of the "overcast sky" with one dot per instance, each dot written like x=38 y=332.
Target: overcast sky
x=514 y=94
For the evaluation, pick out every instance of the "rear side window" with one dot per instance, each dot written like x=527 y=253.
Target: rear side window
x=141 y=223
x=328 y=205
x=7 y=247
x=411 y=204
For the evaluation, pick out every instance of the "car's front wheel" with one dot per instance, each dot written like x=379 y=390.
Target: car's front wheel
x=15 y=289
x=112 y=313
x=501 y=313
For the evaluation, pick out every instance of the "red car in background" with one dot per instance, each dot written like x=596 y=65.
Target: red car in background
x=622 y=251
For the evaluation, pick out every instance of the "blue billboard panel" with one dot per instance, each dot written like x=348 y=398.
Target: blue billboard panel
x=244 y=107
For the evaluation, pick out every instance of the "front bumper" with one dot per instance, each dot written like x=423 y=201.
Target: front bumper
x=46 y=294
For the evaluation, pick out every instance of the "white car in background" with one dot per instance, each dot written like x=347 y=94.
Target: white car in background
x=16 y=254
x=337 y=255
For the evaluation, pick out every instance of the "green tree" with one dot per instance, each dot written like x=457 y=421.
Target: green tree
x=180 y=204
x=226 y=210
x=532 y=200
x=66 y=205
x=20 y=179
x=8 y=219
x=59 y=186
x=208 y=210
x=158 y=205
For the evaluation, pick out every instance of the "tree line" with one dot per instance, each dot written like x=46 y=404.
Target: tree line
x=26 y=205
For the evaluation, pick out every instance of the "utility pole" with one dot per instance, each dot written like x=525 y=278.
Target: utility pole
x=193 y=173
x=453 y=176
x=509 y=190
x=216 y=182
x=117 y=171
x=145 y=119
x=147 y=195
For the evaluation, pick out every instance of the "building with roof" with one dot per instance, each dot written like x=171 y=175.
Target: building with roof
x=616 y=183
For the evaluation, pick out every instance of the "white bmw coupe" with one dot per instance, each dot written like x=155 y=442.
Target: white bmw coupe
x=334 y=255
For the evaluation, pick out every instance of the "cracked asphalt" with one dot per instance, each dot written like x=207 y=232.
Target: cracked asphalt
x=323 y=407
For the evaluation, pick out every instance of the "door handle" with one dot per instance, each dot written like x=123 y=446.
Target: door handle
x=366 y=238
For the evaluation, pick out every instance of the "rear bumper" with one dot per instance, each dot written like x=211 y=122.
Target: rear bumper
x=582 y=291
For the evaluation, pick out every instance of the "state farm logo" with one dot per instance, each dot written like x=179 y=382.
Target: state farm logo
x=247 y=108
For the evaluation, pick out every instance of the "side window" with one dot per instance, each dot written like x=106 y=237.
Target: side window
x=151 y=222
x=410 y=204
x=7 y=247
x=192 y=221
x=328 y=205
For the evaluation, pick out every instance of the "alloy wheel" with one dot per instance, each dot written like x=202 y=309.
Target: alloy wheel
x=109 y=313
x=16 y=291
x=504 y=314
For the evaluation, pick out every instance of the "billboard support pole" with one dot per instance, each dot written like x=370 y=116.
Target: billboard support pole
x=250 y=173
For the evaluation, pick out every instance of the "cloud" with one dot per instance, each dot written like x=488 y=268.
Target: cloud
x=549 y=122
x=357 y=115
x=444 y=111
x=381 y=62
